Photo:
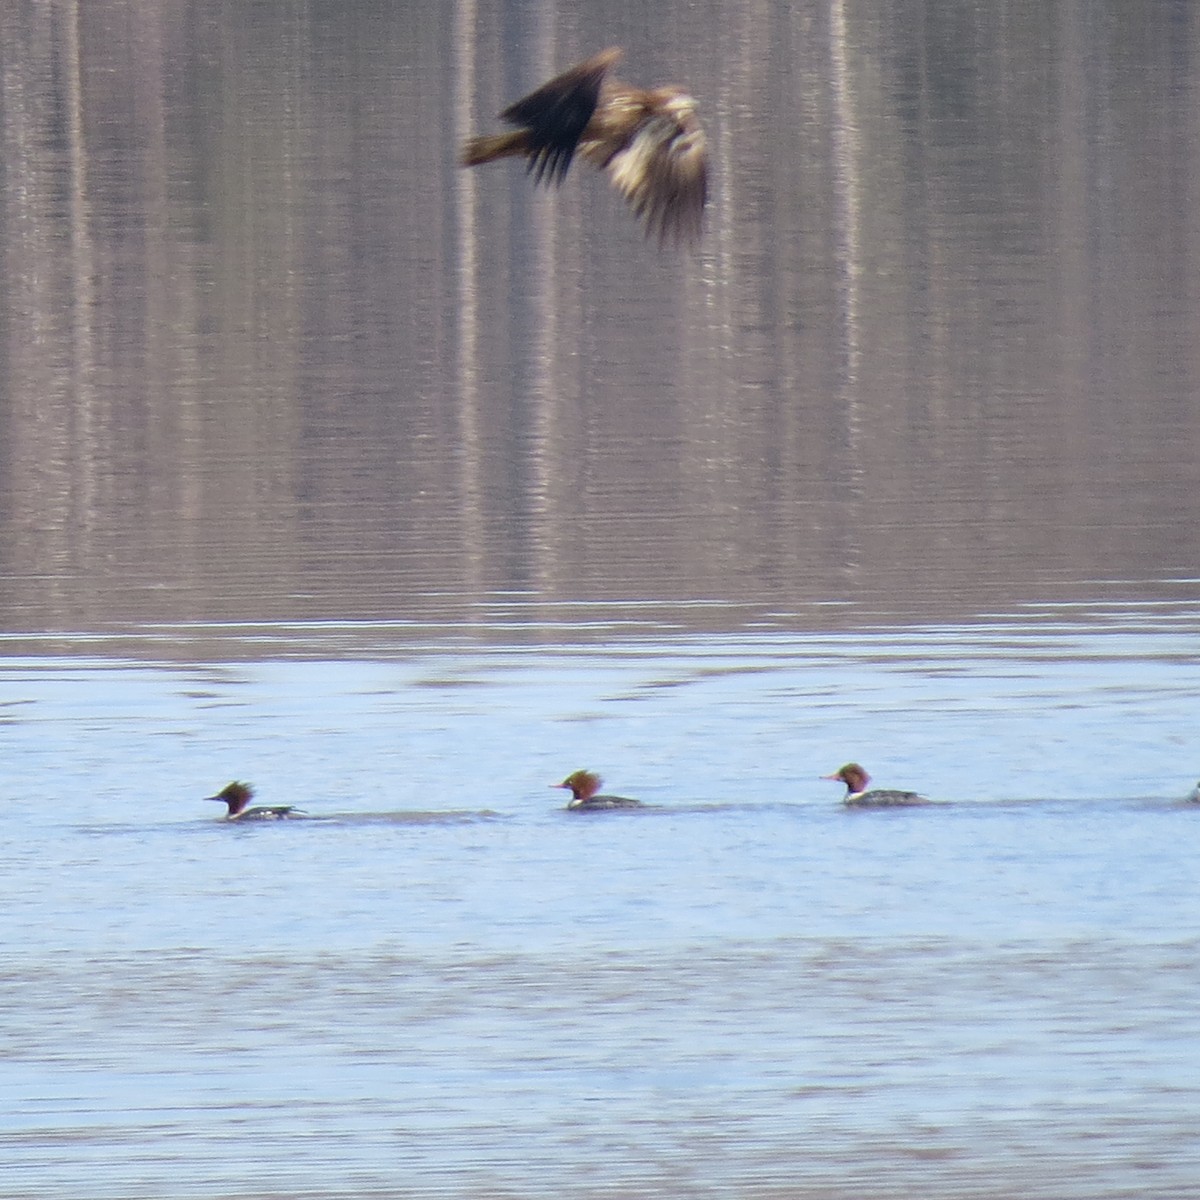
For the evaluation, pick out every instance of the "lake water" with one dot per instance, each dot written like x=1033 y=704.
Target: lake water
x=402 y=491
x=441 y=983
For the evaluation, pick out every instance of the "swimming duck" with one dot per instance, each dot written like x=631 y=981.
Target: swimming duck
x=238 y=795
x=1194 y=795
x=856 y=780
x=584 y=786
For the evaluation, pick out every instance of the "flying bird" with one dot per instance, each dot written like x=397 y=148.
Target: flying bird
x=648 y=140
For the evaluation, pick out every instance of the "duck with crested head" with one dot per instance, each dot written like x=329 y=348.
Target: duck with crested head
x=856 y=780
x=584 y=787
x=237 y=797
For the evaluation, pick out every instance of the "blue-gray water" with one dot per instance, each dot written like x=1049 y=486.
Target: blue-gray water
x=401 y=491
x=443 y=984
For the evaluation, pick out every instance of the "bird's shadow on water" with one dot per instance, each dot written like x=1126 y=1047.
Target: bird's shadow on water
x=711 y=808
x=458 y=817
x=399 y=817
x=301 y=819
x=809 y=808
x=405 y=817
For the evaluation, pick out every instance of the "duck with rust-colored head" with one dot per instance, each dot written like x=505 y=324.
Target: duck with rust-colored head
x=237 y=797
x=584 y=787
x=856 y=780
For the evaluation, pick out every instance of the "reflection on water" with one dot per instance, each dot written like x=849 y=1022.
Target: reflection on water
x=267 y=353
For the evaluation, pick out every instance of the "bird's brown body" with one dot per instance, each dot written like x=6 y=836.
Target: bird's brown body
x=648 y=140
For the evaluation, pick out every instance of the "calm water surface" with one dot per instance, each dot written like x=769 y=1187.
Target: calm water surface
x=440 y=983
x=402 y=491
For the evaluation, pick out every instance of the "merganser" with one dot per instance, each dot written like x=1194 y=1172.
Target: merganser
x=584 y=785
x=238 y=795
x=856 y=780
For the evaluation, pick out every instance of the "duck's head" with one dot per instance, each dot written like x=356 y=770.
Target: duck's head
x=235 y=795
x=583 y=785
x=852 y=775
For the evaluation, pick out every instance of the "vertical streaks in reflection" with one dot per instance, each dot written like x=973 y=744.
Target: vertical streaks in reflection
x=533 y=316
x=467 y=397
x=82 y=262
x=846 y=156
x=549 y=275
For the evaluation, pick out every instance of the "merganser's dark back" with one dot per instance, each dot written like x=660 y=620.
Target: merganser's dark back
x=237 y=796
x=856 y=780
x=584 y=787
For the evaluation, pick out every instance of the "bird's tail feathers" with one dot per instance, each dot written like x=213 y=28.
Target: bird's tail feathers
x=492 y=146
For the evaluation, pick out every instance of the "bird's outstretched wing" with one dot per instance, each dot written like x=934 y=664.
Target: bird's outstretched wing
x=662 y=171
x=555 y=116
x=647 y=140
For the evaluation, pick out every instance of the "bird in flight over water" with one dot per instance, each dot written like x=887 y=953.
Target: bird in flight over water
x=648 y=140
